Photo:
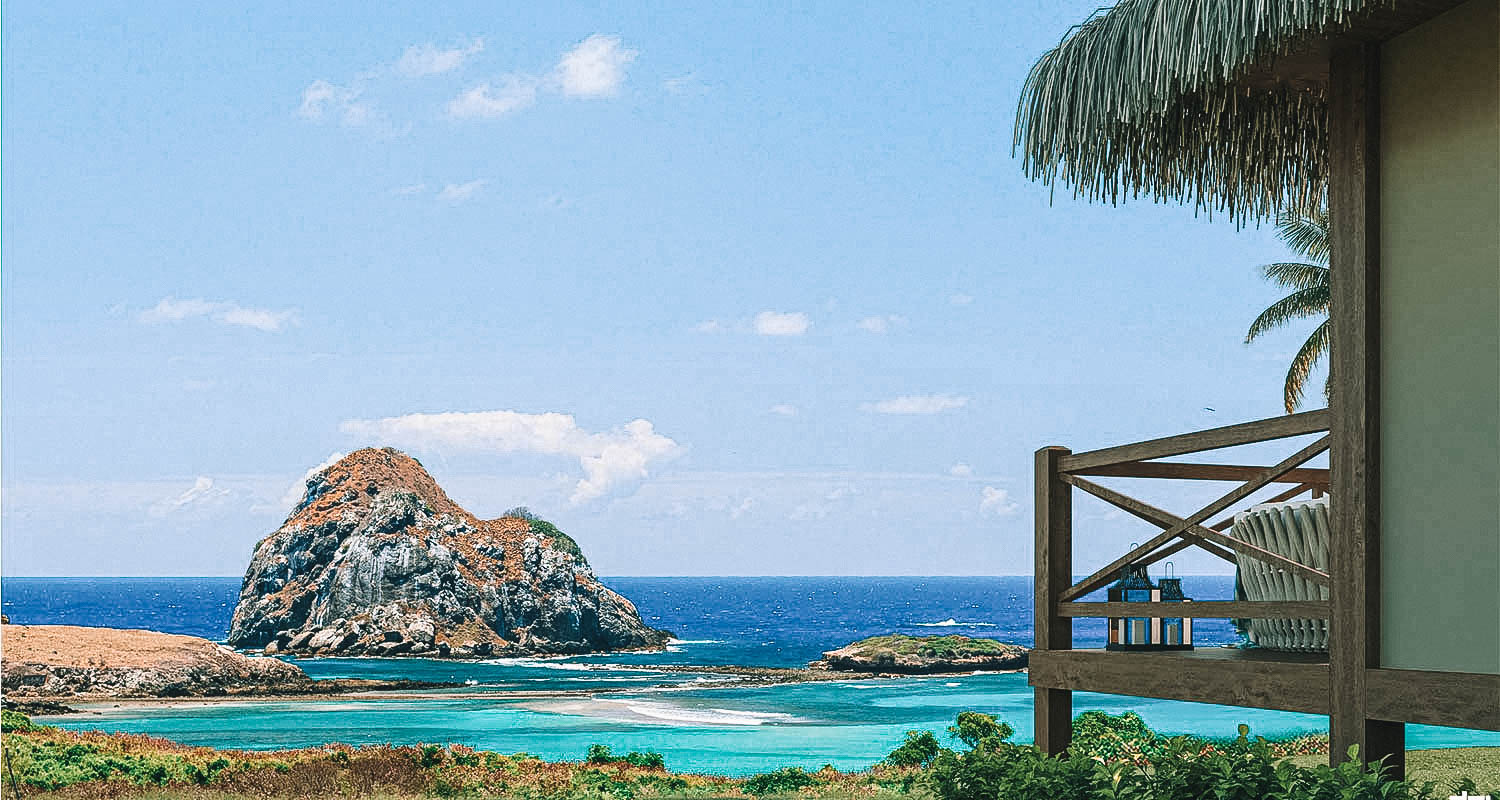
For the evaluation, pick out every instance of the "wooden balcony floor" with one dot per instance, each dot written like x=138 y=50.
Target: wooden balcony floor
x=1228 y=676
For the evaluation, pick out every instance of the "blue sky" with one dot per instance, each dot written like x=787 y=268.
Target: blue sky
x=720 y=288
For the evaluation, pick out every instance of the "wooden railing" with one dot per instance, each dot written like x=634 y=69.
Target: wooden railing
x=1060 y=471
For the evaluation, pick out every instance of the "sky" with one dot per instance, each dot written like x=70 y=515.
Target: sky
x=720 y=289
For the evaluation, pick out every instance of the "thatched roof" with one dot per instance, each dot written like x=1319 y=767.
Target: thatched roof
x=1183 y=100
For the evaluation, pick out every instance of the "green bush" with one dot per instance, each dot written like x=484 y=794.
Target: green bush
x=782 y=781
x=16 y=722
x=919 y=750
x=601 y=754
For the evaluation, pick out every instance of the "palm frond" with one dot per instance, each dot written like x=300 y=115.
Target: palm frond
x=1306 y=233
x=1146 y=98
x=1294 y=275
x=1300 y=304
x=1313 y=349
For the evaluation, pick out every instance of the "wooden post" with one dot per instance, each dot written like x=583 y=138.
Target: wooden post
x=1054 y=574
x=1354 y=461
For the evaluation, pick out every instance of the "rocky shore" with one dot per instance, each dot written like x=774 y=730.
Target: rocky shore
x=898 y=654
x=377 y=560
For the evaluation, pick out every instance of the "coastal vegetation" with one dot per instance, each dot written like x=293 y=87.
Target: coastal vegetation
x=1114 y=757
x=914 y=655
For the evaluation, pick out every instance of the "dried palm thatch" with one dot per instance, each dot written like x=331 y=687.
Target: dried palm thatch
x=1150 y=97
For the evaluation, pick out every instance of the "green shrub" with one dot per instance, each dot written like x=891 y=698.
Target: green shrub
x=16 y=722
x=782 y=781
x=601 y=754
x=919 y=750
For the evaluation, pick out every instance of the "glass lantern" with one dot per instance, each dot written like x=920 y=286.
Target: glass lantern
x=1134 y=586
x=1154 y=631
x=1176 y=632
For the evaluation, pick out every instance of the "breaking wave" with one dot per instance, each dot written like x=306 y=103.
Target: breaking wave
x=953 y=623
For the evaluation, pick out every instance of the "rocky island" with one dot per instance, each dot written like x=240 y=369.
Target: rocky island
x=376 y=560
x=899 y=654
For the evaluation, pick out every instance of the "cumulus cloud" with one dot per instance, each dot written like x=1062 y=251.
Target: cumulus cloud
x=881 y=324
x=201 y=493
x=961 y=470
x=917 y=404
x=294 y=493
x=594 y=68
x=324 y=101
x=421 y=60
x=996 y=501
x=784 y=410
x=607 y=458
x=459 y=192
x=170 y=309
x=487 y=101
x=781 y=323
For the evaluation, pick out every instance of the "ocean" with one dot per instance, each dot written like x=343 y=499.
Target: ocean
x=557 y=707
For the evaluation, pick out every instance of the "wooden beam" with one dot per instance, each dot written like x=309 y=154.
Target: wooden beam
x=1209 y=675
x=1354 y=545
x=1239 y=493
x=1263 y=430
x=1151 y=514
x=1458 y=699
x=1274 y=559
x=1205 y=609
x=1177 y=470
x=1053 y=707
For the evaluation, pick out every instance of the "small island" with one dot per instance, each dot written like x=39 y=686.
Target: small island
x=899 y=654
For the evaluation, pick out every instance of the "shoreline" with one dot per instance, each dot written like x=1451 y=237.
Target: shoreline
x=750 y=678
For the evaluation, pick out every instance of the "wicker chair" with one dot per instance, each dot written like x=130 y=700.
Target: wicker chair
x=1297 y=530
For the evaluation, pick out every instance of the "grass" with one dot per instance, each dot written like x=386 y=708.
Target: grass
x=1443 y=767
x=929 y=646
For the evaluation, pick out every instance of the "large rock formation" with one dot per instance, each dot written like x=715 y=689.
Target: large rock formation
x=67 y=661
x=376 y=560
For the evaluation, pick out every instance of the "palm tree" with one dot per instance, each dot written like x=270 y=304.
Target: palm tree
x=1307 y=234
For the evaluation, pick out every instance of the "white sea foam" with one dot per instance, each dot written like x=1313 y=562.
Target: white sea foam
x=953 y=623
x=694 y=641
x=670 y=713
x=952 y=683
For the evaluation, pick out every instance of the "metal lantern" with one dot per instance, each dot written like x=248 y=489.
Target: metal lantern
x=1152 y=632
x=1176 y=632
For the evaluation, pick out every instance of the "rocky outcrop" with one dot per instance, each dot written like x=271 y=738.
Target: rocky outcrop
x=70 y=661
x=924 y=655
x=377 y=560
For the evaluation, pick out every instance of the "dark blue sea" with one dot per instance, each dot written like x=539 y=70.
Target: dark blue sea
x=557 y=707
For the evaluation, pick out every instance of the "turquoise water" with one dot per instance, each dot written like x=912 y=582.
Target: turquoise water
x=557 y=708
x=729 y=730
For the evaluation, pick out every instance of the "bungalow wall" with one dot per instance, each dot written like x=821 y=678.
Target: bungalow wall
x=1440 y=343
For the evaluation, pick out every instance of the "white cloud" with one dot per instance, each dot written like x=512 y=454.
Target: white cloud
x=421 y=60
x=917 y=404
x=513 y=93
x=781 y=323
x=201 y=493
x=961 y=470
x=784 y=410
x=961 y=299
x=459 y=192
x=294 y=493
x=170 y=309
x=595 y=67
x=996 y=501
x=322 y=101
x=881 y=324
x=685 y=85
x=710 y=326
x=607 y=459
x=409 y=189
